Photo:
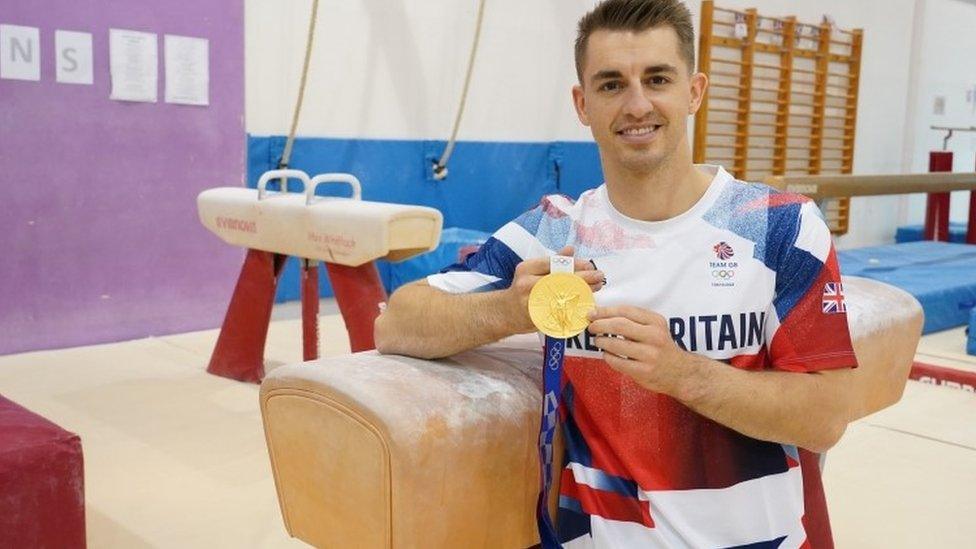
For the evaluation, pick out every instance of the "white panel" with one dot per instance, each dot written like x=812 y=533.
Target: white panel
x=20 y=53
x=74 y=57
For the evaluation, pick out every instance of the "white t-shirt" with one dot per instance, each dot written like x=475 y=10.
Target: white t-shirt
x=747 y=276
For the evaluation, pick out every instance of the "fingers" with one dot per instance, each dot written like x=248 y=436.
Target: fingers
x=538 y=266
x=584 y=267
x=622 y=348
x=618 y=326
x=635 y=314
x=592 y=277
x=626 y=366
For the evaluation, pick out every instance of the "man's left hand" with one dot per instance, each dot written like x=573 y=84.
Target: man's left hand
x=637 y=343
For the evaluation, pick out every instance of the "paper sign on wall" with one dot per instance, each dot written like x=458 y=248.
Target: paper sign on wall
x=187 y=62
x=74 y=61
x=133 y=62
x=20 y=52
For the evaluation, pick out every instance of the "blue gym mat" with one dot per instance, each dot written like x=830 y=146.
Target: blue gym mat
x=916 y=233
x=941 y=275
x=971 y=342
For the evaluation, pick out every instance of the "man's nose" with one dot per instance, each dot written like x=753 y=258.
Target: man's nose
x=637 y=104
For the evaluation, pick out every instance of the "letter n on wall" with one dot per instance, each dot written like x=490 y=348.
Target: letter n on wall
x=20 y=52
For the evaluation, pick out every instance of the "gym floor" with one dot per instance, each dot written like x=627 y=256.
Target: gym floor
x=175 y=457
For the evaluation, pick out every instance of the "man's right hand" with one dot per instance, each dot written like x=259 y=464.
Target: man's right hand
x=528 y=272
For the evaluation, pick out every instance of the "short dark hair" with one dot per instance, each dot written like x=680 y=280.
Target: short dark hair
x=638 y=16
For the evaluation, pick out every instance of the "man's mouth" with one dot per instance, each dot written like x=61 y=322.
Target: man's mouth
x=640 y=133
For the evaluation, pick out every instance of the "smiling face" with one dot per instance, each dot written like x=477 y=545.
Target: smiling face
x=636 y=96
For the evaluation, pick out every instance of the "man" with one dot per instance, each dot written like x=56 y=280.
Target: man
x=719 y=346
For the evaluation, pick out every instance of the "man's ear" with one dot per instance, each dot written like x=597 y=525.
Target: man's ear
x=579 y=101
x=699 y=86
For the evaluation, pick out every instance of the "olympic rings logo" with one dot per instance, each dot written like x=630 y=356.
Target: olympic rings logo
x=555 y=353
x=723 y=274
x=562 y=261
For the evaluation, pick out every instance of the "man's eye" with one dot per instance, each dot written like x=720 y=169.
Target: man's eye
x=610 y=86
x=658 y=80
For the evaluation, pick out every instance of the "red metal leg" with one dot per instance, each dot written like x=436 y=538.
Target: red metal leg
x=937 y=209
x=937 y=217
x=310 y=309
x=239 y=353
x=359 y=292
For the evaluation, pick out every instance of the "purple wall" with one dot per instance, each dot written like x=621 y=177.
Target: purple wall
x=99 y=236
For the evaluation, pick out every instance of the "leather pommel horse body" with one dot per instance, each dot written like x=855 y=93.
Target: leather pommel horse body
x=388 y=451
x=347 y=234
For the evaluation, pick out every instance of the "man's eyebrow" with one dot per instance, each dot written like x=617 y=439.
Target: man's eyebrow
x=653 y=69
x=658 y=69
x=606 y=75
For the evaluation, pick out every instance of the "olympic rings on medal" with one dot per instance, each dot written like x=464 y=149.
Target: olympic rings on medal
x=562 y=261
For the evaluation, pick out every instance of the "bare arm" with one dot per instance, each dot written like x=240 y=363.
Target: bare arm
x=425 y=322
x=806 y=410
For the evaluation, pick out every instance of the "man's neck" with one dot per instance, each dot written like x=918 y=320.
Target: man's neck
x=662 y=193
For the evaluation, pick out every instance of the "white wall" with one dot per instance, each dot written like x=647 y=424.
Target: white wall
x=946 y=67
x=394 y=69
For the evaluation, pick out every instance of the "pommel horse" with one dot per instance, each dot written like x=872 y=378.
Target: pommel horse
x=348 y=234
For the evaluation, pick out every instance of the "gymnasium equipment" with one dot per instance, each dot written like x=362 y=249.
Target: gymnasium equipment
x=941 y=275
x=42 y=481
x=915 y=233
x=348 y=234
x=782 y=98
x=971 y=339
x=387 y=451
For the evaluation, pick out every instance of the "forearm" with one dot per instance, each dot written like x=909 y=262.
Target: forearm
x=425 y=322
x=806 y=410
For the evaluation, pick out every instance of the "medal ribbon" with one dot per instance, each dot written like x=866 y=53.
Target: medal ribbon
x=552 y=369
x=563 y=297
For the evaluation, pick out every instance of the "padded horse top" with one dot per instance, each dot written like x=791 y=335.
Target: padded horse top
x=346 y=231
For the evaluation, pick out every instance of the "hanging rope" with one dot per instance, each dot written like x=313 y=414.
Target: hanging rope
x=440 y=167
x=290 y=142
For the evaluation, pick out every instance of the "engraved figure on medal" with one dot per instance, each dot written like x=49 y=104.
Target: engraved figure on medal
x=559 y=303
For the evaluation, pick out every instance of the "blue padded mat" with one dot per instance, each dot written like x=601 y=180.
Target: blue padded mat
x=916 y=233
x=941 y=276
x=971 y=342
x=447 y=253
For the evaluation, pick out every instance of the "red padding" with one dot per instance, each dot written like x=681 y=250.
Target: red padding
x=937 y=207
x=310 y=310
x=940 y=375
x=239 y=353
x=42 y=487
x=358 y=292
x=971 y=228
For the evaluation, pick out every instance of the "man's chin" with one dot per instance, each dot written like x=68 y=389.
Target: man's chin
x=641 y=163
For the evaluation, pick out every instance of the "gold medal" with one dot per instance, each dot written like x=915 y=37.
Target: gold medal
x=559 y=303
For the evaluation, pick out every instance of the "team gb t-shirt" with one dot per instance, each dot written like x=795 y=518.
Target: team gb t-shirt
x=747 y=276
